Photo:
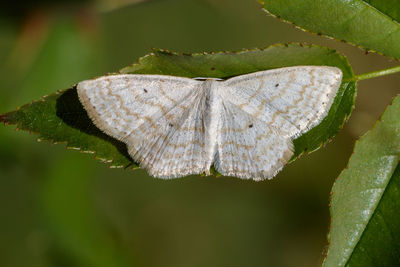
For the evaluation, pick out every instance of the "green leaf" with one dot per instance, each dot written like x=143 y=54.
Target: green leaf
x=61 y=118
x=380 y=242
x=365 y=227
x=373 y=24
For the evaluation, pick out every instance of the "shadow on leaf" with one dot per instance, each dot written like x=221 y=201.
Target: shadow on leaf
x=70 y=110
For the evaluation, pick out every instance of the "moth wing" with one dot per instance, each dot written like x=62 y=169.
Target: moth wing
x=292 y=99
x=158 y=117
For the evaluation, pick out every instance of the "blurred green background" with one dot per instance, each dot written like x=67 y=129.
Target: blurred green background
x=63 y=208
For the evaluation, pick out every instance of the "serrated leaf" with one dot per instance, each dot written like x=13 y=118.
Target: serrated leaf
x=61 y=117
x=373 y=24
x=365 y=228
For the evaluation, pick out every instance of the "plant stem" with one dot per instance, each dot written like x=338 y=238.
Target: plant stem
x=378 y=73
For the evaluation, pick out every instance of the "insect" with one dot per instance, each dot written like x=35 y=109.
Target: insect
x=243 y=126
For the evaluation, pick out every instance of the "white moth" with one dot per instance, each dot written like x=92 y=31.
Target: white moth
x=244 y=126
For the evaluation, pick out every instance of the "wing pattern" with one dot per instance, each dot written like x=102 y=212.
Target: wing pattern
x=248 y=147
x=293 y=99
x=264 y=111
x=158 y=117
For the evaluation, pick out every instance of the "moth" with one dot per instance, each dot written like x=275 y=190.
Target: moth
x=243 y=126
